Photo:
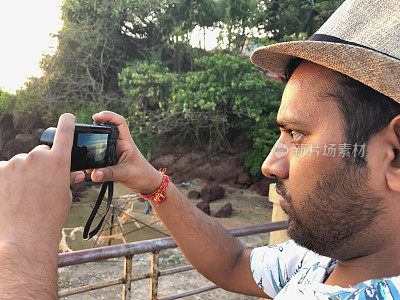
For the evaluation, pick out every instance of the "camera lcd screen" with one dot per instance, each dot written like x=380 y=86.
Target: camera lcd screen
x=89 y=152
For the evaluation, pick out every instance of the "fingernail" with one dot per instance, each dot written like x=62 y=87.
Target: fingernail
x=79 y=177
x=98 y=175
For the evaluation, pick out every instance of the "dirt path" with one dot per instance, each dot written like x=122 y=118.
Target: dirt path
x=248 y=208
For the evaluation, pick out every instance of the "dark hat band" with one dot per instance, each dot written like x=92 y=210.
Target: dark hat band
x=333 y=39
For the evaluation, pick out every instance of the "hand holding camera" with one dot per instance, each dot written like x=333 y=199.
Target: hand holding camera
x=95 y=147
x=132 y=170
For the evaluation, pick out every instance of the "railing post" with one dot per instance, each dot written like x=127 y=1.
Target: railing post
x=126 y=291
x=155 y=269
x=276 y=237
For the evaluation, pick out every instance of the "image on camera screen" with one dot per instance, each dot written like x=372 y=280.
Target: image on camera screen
x=89 y=151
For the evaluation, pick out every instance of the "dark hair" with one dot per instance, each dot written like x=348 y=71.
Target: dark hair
x=365 y=111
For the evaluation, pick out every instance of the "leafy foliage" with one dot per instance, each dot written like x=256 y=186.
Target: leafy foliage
x=146 y=87
x=229 y=93
x=217 y=97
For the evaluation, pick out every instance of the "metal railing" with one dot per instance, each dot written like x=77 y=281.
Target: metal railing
x=150 y=246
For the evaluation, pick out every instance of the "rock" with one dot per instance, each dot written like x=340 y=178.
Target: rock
x=194 y=195
x=183 y=162
x=240 y=186
x=27 y=141
x=79 y=187
x=212 y=192
x=243 y=178
x=261 y=187
x=7 y=128
x=203 y=172
x=204 y=207
x=12 y=148
x=177 y=178
x=23 y=143
x=76 y=196
x=224 y=171
x=219 y=168
x=1 y=145
x=225 y=211
x=164 y=161
x=17 y=125
x=38 y=133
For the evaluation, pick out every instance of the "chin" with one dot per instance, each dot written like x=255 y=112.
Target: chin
x=335 y=247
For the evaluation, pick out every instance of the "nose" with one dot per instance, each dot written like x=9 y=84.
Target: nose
x=276 y=165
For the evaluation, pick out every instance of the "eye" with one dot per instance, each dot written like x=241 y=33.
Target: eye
x=295 y=135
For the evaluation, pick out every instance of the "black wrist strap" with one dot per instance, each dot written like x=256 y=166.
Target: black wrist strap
x=86 y=234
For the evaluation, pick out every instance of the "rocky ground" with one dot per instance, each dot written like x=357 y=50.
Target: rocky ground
x=248 y=208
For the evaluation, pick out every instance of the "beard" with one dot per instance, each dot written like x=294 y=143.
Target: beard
x=333 y=217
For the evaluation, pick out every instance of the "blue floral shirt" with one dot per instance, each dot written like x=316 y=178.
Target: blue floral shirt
x=289 y=271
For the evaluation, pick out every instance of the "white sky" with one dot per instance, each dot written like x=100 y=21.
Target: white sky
x=25 y=28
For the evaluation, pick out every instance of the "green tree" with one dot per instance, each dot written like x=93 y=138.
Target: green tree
x=287 y=17
x=27 y=105
x=227 y=100
x=146 y=87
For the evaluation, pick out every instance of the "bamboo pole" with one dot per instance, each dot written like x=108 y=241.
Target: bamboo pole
x=278 y=214
x=155 y=268
x=126 y=291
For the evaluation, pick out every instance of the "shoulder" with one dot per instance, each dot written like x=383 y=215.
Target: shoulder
x=385 y=289
x=273 y=266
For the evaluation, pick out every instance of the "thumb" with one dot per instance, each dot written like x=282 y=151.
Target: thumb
x=76 y=177
x=102 y=175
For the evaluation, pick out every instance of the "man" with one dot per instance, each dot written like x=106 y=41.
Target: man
x=343 y=208
x=342 y=93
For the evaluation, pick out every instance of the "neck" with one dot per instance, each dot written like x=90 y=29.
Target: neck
x=381 y=264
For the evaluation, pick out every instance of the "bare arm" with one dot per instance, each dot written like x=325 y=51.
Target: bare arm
x=208 y=246
x=28 y=271
x=35 y=199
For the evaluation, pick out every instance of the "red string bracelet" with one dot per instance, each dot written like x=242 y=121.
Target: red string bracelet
x=159 y=196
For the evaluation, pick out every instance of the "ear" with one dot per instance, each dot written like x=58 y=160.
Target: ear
x=393 y=154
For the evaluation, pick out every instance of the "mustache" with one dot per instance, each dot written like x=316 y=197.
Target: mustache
x=282 y=190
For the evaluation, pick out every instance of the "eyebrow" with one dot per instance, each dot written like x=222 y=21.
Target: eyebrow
x=285 y=123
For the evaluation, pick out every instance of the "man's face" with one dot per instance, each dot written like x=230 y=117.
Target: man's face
x=330 y=204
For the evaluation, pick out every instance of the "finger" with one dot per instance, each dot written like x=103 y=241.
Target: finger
x=64 y=137
x=116 y=119
x=77 y=177
x=89 y=171
x=40 y=148
x=19 y=156
x=105 y=174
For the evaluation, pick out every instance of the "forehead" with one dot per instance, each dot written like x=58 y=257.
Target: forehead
x=307 y=97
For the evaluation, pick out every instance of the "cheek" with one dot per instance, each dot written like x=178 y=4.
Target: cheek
x=305 y=172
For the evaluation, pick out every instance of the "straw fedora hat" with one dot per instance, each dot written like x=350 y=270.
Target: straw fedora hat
x=361 y=39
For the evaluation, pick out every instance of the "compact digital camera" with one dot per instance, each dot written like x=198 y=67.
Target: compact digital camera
x=94 y=145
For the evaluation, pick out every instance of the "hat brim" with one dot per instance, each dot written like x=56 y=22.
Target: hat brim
x=377 y=70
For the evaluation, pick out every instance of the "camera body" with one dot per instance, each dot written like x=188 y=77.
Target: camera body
x=94 y=145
